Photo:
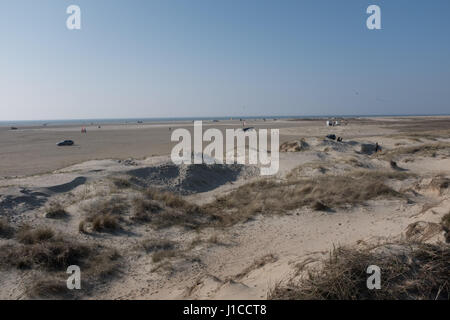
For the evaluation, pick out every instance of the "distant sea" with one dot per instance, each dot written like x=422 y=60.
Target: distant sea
x=150 y=120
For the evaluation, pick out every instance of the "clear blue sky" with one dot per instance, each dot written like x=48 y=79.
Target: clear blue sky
x=174 y=58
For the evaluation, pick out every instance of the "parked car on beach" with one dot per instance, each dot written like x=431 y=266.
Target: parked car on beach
x=65 y=143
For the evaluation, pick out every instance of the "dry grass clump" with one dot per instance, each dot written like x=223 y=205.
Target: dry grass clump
x=49 y=288
x=446 y=221
x=106 y=223
x=6 y=231
x=105 y=215
x=159 y=208
x=144 y=209
x=161 y=249
x=273 y=197
x=56 y=211
x=114 y=205
x=422 y=230
x=164 y=209
x=27 y=235
x=446 y=226
x=169 y=199
x=408 y=271
x=50 y=254
x=122 y=183
x=96 y=265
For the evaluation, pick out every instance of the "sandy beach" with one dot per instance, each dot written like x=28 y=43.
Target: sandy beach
x=212 y=231
x=36 y=151
x=33 y=150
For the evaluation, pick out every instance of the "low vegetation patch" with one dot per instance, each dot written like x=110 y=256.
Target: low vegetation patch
x=424 y=150
x=414 y=271
x=122 y=183
x=353 y=167
x=56 y=211
x=169 y=199
x=158 y=208
x=106 y=223
x=164 y=209
x=322 y=193
x=105 y=215
x=144 y=209
x=422 y=230
x=49 y=254
x=49 y=287
x=28 y=235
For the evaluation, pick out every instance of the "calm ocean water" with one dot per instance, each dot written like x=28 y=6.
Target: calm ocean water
x=120 y=120
x=150 y=120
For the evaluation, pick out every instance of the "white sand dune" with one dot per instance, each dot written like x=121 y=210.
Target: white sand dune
x=246 y=259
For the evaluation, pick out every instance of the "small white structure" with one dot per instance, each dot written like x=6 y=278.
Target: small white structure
x=331 y=123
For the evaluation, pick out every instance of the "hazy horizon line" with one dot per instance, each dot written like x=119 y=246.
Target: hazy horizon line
x=225 y=117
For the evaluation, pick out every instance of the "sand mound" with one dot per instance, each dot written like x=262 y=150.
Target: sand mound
x=189 y=179
x=294 y=146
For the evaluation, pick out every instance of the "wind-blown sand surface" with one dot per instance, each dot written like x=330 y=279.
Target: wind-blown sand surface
x=221 y=232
